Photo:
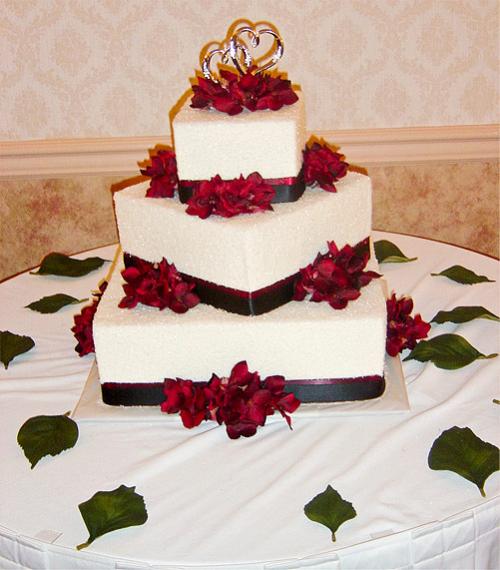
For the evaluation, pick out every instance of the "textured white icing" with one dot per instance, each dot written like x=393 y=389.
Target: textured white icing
x=250 y=251
x=299 y=340
x=208 y=142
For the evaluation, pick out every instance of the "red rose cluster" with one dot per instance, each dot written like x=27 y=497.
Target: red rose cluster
x=403 y=331
x=337 y=276
x=82 y=330
x=156 y=285
x=323 y=167
x=163 y=174
x=254 y=92
x=242 y=402
x=228 y=198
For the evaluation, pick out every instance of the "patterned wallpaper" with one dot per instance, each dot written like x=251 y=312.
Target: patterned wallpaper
x=98 y=68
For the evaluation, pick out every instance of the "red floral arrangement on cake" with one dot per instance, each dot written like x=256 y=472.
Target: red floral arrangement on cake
x=228 y=198
x=242 y=402
x=322 y=166
x=403 y=330
x=336 y=276
x=82 y=329
x=156 y=285
x=252 y=91
x=163 y=174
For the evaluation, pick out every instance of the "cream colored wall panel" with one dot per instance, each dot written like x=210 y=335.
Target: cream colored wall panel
x=114 y=69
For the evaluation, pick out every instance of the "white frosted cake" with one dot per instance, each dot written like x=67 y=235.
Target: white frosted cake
x=257 y=225
x=268 y=143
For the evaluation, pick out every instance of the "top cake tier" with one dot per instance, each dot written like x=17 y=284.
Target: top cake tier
x=208 y=142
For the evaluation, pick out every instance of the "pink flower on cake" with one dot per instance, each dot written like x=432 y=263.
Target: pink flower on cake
x=323 y=166
x=163 y=174
x=337 y=276
x=403 y=330
x=242 y=402
x=83 y=327
x=255 y=92
x=156 y=285
x=228 y=198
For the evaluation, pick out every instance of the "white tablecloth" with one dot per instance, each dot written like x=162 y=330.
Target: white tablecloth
x=213 y=502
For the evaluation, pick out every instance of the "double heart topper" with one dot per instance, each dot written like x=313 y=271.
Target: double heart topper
x=237 y=51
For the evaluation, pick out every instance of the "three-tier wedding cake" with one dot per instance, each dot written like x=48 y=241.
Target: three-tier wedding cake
x=247 y=244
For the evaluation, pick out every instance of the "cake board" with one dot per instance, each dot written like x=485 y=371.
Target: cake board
x=90 y=407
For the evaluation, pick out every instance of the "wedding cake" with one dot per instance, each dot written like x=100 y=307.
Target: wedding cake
x=247 y=244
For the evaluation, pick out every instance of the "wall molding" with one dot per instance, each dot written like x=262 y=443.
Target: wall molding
x=366 y=147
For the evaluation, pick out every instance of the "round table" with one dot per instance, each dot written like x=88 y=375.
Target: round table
x=219 y=503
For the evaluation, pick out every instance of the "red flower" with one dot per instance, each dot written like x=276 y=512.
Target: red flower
x=323 y=167
x=254 y=92
x=82 y=329
x=403 y=331
x=156 y=285
x=337 y=276
x=228 y=198
x=242 y=402
x=163 y=173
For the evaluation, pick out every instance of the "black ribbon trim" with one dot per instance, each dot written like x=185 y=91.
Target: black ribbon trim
x=337 y=390
x=245 y=302
x=283 y=192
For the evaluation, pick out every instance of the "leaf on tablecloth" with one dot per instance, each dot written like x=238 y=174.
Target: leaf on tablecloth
x=61 y=264
x=461 y=451
x=463 y=315
x=107 y=511
x=449 y=351
x=388 y=252
x=53 y=303
x=46 y=435
x=329 y=509
x=463 y=275
x=12 y=345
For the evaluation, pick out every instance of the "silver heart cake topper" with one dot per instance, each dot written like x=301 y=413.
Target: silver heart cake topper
x=237 y=51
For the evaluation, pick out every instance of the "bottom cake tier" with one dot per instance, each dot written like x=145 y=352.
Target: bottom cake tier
x=324 y=354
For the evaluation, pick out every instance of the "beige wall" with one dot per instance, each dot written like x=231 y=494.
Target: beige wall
x=97 y=68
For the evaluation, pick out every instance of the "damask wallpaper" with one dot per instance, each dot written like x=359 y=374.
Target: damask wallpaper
x=99 y=68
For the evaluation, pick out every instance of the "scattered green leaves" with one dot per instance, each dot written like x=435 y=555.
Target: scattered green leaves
x=61 y=264
x=12 y=345
x=329 y=509
x=107 y=511
x=46 y=435
x=463 y=315
x=53 y=303
x=461 y=451
x=449 y=351
x=388 y=252
x=462 y=275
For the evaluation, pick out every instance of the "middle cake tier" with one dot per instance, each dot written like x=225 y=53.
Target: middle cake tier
x=250 y=252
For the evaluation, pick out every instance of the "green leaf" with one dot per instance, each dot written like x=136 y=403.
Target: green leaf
x=463 y=315
x=329 y=509
x=449 y=351
x=495 y=401
x=107 y=511
x=53 y=303
x=460 y=450
x=12 y=345
x=387 y=252
x=462 y=275
x=60 y=264
x=46 y=435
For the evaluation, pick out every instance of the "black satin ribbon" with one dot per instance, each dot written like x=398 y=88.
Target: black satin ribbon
x=283 y=192
x=245 y=302
x=324 y=390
